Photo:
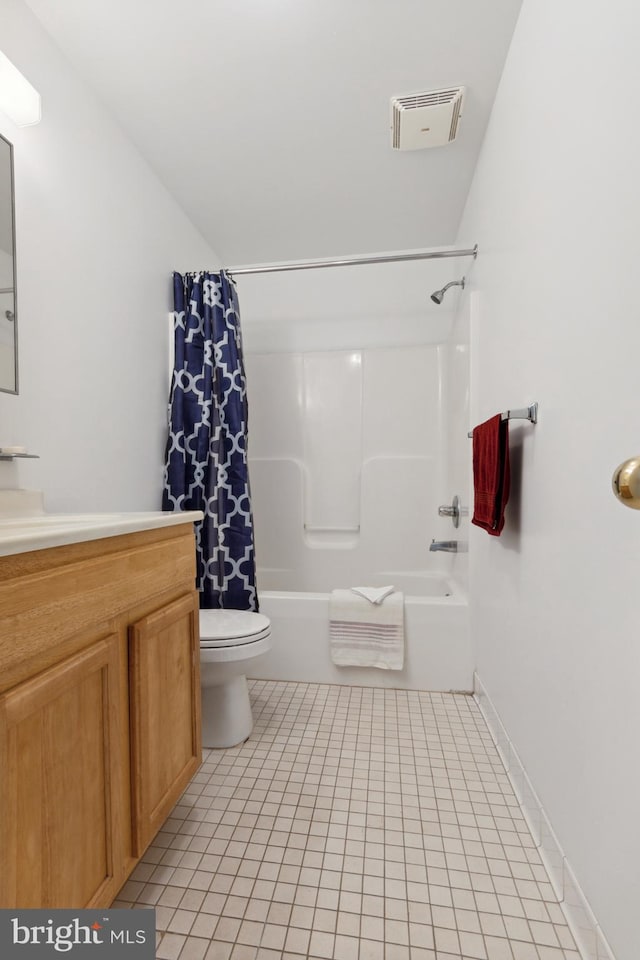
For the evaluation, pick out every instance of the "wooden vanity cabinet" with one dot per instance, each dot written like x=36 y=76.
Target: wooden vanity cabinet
x=99 y=710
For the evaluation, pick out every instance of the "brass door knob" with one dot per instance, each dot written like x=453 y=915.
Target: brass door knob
x=626 y=483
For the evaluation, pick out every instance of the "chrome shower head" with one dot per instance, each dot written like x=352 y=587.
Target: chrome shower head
x=438 y=295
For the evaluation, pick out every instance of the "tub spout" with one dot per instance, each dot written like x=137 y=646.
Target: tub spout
x=448 y=546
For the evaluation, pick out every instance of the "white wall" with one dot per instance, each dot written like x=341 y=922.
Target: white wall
x=97 y=239
x=555 y=209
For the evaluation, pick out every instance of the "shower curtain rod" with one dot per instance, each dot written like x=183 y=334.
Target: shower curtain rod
x=353 y=261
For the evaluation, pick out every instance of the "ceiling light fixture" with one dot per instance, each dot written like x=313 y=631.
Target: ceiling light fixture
x=18 y=99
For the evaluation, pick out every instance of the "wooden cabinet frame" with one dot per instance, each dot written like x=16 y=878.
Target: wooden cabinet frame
x=164 y=685
x=61 y=804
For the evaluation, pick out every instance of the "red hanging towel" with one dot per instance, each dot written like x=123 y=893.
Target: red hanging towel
x=491 y=474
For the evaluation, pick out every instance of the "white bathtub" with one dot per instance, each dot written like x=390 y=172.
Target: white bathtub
x=437 y=653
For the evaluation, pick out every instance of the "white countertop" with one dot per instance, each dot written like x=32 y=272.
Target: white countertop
x=39 y=532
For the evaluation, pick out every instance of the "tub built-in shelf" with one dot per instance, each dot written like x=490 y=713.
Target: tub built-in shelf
x=15 y=456
x=310 y=528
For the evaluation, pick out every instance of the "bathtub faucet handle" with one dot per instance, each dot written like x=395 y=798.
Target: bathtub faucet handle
x=455 y=511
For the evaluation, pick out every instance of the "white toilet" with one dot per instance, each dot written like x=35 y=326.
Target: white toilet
x=230 y=640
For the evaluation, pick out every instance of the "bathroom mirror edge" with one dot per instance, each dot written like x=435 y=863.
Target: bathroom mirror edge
x=8 y=274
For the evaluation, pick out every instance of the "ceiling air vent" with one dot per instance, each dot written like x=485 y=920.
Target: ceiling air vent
x=430 y=119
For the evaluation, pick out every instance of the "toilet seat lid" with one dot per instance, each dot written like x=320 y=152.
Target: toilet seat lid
x=234 y=642
x=231 y=624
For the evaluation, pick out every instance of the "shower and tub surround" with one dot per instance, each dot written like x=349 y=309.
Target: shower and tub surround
x=347 y=462
x=343 y=496
x=331 y=446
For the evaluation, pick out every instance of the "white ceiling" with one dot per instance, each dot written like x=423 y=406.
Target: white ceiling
x=268 y=120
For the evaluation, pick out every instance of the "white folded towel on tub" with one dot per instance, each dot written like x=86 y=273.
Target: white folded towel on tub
x=364 y=633
x=374 y=594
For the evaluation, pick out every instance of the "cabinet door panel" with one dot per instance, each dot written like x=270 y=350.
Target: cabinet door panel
x=58 y=792
x=164 y=682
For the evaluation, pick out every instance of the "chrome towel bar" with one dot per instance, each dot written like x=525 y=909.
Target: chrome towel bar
x=523 y=413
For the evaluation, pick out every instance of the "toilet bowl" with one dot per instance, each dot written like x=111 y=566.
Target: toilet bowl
x=230 y=642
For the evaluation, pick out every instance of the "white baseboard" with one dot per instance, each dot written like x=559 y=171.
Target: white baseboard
x=590 y=939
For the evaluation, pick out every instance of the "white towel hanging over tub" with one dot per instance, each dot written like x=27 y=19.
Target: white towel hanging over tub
x=366 y=634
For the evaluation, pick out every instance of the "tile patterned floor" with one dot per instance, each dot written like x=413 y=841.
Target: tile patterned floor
x=355 y=824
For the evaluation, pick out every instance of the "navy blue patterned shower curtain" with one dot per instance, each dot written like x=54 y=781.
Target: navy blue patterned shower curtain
x=206 y=455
